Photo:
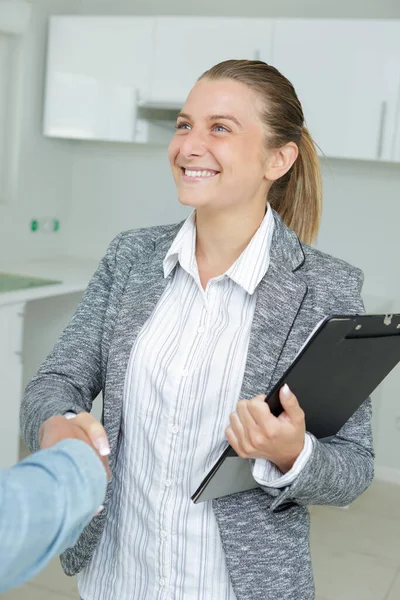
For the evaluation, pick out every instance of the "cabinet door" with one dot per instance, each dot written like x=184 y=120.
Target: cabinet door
x=185 y=47
x=97 y=66
x=346 y=74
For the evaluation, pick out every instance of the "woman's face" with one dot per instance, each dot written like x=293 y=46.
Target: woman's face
x=218 y=155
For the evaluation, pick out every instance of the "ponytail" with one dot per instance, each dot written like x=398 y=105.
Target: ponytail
x=297 y=196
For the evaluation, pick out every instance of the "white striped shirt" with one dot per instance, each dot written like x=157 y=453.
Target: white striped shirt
x=183 y=381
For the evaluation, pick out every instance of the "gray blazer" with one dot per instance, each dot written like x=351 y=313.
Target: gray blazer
x=264 y=532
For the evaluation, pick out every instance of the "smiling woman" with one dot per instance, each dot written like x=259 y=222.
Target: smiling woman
x=248 y=110
x=182 y=321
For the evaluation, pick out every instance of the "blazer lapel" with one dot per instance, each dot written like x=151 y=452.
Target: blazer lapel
x=279 y=298
x=144 y=288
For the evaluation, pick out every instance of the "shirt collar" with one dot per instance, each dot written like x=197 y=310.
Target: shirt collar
x=183 y=248
x=247 y=271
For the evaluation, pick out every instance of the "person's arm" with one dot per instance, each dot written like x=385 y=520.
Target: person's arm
x=336 y=472
x=45 y=503
x=72 y=375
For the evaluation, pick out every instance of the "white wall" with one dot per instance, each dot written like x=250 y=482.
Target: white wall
x=116 y=187
x=360 y=225
x=360 y=220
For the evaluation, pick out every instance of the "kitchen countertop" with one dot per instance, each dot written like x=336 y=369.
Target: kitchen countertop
x=73 y=272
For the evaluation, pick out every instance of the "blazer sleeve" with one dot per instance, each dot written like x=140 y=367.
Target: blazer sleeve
x=72 y=376
x=45 y=502
x=339 y=470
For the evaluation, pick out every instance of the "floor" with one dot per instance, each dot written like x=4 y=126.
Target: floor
x=356 y=553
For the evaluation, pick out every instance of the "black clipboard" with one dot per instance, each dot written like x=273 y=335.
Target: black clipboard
x=341 y=364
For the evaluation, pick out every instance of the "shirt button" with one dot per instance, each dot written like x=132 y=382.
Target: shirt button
x=163 y=534
x=175 y=429
x=185 y=373
x=162 y=582
x=201 y=330
x=168 y=482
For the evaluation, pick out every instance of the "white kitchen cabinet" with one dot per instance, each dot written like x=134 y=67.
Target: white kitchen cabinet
x=125 y=78
x=97 y=69
x=11 y=328
x=185 y=47
x=347 y=75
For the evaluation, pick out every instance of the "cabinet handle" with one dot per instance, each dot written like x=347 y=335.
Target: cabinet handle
x=382 y=122
x=135 y=114
x=20 y=356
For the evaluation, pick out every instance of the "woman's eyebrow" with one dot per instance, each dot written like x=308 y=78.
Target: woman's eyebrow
x=227 y=118
x=214 y=118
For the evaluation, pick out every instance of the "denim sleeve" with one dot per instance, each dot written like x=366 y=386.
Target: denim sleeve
x=45 y=503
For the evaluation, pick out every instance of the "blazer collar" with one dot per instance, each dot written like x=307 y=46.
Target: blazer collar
x=285 y=248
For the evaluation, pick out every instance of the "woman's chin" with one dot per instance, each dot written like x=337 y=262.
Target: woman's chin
x=192 y=200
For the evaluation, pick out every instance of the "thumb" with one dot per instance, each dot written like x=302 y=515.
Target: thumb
x=95 y=432
x=288 y=401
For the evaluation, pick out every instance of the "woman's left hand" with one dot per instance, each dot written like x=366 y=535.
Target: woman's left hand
x=254 y=432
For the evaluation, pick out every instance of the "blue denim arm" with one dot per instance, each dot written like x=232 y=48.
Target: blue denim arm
x=45 y=503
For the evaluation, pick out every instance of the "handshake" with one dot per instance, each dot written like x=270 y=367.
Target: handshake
x=82 y=427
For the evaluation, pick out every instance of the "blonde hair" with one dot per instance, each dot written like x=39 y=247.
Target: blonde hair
x=297 y=195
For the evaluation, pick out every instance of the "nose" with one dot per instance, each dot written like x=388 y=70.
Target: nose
x=193 y=144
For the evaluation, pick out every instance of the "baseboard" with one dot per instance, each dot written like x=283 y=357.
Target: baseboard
x=388 y=474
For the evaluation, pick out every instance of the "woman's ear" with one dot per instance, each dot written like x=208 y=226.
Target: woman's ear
x=281 y=160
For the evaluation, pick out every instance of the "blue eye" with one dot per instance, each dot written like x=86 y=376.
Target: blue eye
x=220 y=128
x=182 y=126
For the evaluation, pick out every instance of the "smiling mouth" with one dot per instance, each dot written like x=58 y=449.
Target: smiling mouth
x=199 y=173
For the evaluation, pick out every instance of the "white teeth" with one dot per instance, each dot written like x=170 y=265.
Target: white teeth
x=189 y=173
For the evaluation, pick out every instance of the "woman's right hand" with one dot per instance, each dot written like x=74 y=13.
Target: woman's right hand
x=83 y=427
x=94 y=430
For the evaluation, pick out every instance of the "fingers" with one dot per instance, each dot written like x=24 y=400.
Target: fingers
x=80 y=434
x=238 y=435
x=233 y=440
x=260 y=411
x=244 y=414
x=254 y=432
x=250 y=425
x=292 y=408
x=95 y=432
x=58 y=428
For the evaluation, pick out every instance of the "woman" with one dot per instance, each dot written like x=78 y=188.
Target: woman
x=181 y=321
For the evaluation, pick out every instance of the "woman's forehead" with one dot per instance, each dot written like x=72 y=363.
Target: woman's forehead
x=219 y=97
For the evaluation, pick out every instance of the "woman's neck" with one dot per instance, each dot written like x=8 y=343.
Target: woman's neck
x=222 y=237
